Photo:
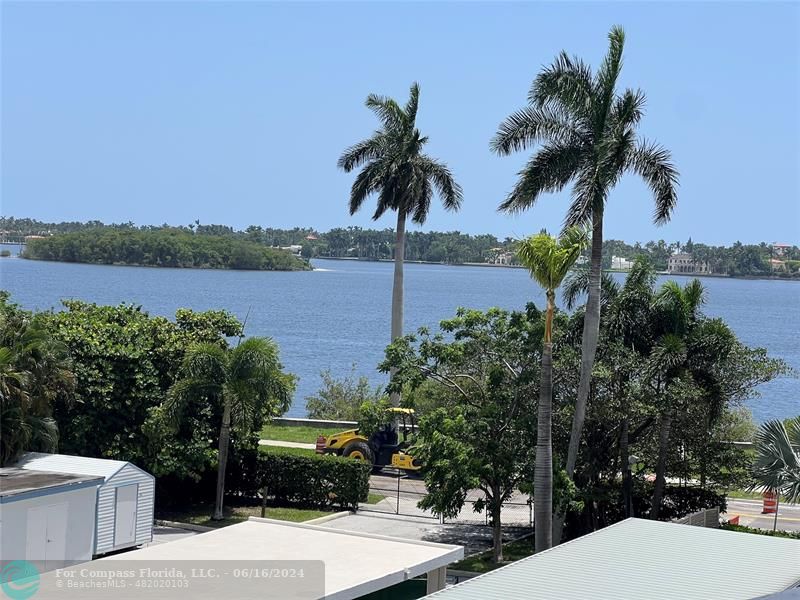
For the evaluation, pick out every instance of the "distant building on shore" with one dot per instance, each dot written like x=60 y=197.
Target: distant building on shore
x=777 y=265
x=780 y=249
x=499 y=256
x=619 y=263
x=685 y=263
x=295 y=249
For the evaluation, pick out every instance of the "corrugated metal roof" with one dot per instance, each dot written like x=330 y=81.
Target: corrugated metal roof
x=637 y=559
x=65 y=463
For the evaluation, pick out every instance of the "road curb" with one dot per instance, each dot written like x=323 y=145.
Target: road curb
x=331 y=517
x=187 y=526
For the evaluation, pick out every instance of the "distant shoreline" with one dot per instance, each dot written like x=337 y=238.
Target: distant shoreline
x=474 y=264
x=144 y=266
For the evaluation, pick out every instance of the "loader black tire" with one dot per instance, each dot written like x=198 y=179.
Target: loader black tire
x=359 y=451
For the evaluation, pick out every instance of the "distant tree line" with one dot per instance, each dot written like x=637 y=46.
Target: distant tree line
x=451 y=247
x=738 y=260
x=161 y=248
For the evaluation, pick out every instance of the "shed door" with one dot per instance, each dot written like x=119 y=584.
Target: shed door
x=47 y=535
x=125 y=521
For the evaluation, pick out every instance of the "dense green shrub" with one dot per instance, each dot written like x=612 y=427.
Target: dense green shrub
x=310 y=480
x=678 y=502
x=792 y=535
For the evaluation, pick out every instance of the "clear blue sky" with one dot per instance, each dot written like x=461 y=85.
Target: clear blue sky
x=236 y=112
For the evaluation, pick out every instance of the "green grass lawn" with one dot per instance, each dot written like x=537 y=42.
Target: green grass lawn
x=290 y=433
x=291 y=451
x=743 y=495
x=482 y=563
x=200 y=514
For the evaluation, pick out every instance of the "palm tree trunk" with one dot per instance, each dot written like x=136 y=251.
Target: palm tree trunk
x=543 y=474
x=397 y=287
x=777 y=508
x=665 y=425
x=627 y=477
x=224 y=439
x=591 y=332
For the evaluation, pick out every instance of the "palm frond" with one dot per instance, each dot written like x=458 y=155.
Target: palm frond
x=531 y=125
x=368 y=181
x=629 y=108
x=777 y=463
x=694 y=294
x=588 y=197
x=548 y=259
x=422 y=204
x=387 y=110
x=550 y=170
x=606 y=80
x=358 y=154
x=449 y=191
x=653 y=163
x=668 y=354
x=576 y=286
x=204 y=363
x=567 y=83
x=412 y=105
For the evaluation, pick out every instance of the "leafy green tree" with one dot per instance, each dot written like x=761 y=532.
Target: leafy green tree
x=247 y=380
x=124 y=361
x=341 y=398
x=402 y=176
x=481 y=439
x=777 y=465
x=587 y=133
x=548 y=260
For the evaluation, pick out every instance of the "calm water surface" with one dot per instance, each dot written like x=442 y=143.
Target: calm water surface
x=338 y=315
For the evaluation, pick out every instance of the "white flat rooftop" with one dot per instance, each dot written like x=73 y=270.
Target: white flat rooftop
x=637 y=559
x=355 y=563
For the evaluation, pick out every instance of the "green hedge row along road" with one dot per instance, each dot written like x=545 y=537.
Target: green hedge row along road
x=302 y=478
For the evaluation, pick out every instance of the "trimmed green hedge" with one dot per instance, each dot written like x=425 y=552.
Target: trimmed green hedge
x=313 y=480
x=792 y=535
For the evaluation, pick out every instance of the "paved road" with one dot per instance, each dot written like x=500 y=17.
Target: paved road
x=411 y=489
x=749 y=512
x=474 y=538
x=402 y=493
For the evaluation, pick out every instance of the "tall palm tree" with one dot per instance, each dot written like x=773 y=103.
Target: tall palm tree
x=402 y=176
x=677 y=309
x=247 y=381
x=587 y=135
x=548 y=260
x=777 y=464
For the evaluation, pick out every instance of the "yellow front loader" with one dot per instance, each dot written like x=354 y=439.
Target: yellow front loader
x=383 y=448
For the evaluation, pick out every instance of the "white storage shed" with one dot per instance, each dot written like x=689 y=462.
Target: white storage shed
x=125 y=498
x=47 y=518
